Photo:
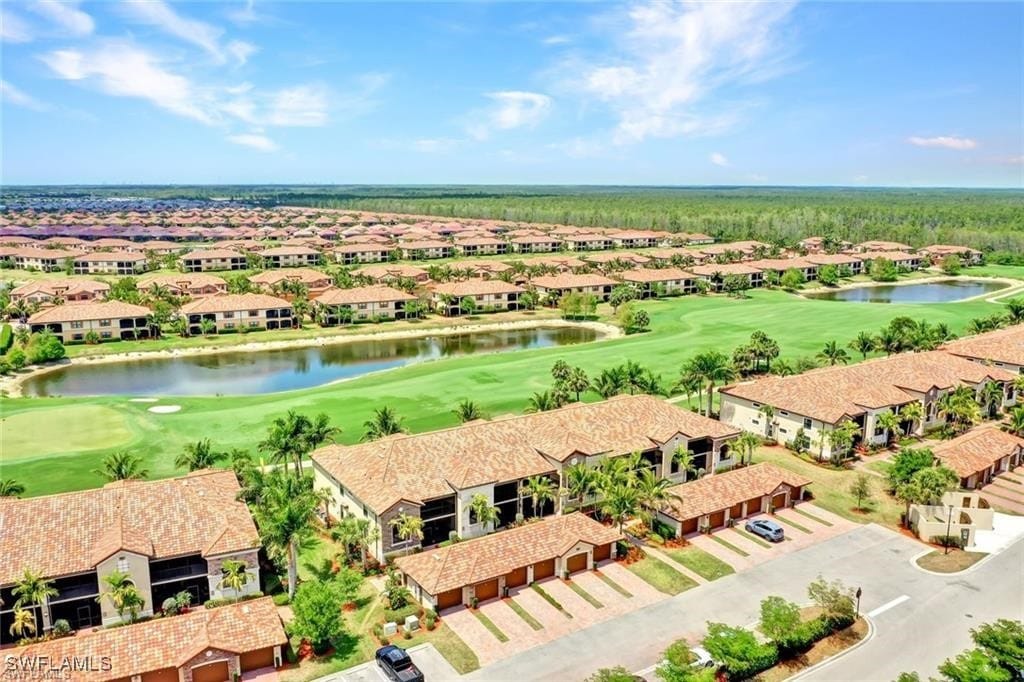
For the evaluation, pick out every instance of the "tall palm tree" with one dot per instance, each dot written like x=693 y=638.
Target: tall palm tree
x=468 y=411
x=486 y=514
x=1016 y=422
x=23 y=622
x=354 y=532
x=286 y=517
x=540 y=490
x=991 y=398
x=285 y=442
x=384 y=423
x=912 y=414
x=121 y=592
x=863 y=344
x=686 y=461
x=768 y=412
x=633 y=375
x=746 y=444
x=620 y=503
x=10 y=487
x=577 y=382
x=581 y=482
x=542 y=402
x=712 y=367
x=960 y=408
x=889 y=340
x=653 y=492
x=235 y=575
x=891 y=422
x=199 y=455
x=32 y=589
x=1015 y=310
x=122 y=466
x=408 y=527
x=610 y=382
x=833 y=353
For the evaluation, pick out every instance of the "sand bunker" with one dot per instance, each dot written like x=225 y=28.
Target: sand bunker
x=164 y=409
x=143 y=400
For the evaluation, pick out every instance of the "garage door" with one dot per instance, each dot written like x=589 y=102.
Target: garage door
x=543 y=569
x=165 y=675
x=212 y=672
x=516 y=577
x=486 y=590
x=602 y=552
x=689 y=526
x=778 y=500
x=736 y=511
x=754 y=506
x=576 y=563
x=261 y=658
x=450 y=598
x=718 y=519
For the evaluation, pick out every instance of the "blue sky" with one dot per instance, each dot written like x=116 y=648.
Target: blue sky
x=839 y=93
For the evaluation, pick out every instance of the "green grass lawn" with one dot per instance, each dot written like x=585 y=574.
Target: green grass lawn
x=661 y=576
x=549 y=599
x=491 y=627
x=728 y=545
x=614 y=585
x=587 y=597
x=700 y=562
x=524 y=614
x=751 y=537
x=831 y=489
x=792 y=524
x=499 y=383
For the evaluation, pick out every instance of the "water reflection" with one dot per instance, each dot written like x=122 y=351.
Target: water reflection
x=945 y=291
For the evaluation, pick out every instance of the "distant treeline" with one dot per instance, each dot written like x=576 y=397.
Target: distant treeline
x=990 y=220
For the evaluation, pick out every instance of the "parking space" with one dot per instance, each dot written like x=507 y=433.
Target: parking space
x=804 y=526
x=425 y=656
x=1006 y=492
x=557 y=607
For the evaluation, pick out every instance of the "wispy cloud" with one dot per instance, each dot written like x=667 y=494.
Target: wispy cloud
x=510 y=109
x=662 y=73
x=14 y=29
x=557 y=40
x=17 y=97
x=199 y=33
x=959 y=144
x=257 y=141
x=303 y=106
x=434 y=145
x=66 y=15
x=719 y=159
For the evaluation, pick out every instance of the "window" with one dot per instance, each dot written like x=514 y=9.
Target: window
x=254 y=313
x=229 y=314
x=105 y=335
x=807 y=423
x=122 y=564
x=783 y=412
x=362 y=306
x=395 y=539
x=783 y=431
x=229 y=325
x=77 y=325
x=756 y=404
x=104 y=323
x=254 y=323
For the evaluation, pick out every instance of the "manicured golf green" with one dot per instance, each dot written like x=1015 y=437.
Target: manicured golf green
x=42 y=446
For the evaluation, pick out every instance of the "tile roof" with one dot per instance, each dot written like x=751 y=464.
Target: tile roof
x=304 y=275
x=424 y=466
x=75 y=312
x=110 y=257
x=60 y=287
x=941 y=249
x=384 y=271
x=289 y=251
x=721 y=491
x=832 y=259
x=830 y=393
x=476 y=287
x=189 y=280
x=212 y=254
x=1005 y=345
x=978 y=449
x=228 y=302
x=612 y=257
x=568 y=280
x=371 y=294
x=88 y=523
x=881 y=245
x=890 y=255
x=724 y=269
x=167 y=642
x=490 y=556
x=656 y=275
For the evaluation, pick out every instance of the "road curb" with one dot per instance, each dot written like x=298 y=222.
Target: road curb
x=966 y=571
x=832 y=659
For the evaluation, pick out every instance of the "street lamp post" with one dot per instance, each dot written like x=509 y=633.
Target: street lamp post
x=949 y=520
x=859 y=592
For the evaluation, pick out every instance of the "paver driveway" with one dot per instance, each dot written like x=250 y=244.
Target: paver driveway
x=577 y=611
x=1006 y=491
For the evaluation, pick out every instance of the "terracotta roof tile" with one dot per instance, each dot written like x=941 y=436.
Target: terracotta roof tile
x=567 y=280
x=355 y=295
x=1004 y=345
x=477 y=287
x=977 y=449
x=721 y=491
x=74 y=312
x=230 y=302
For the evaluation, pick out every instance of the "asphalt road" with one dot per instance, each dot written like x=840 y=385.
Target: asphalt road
x=920 y=619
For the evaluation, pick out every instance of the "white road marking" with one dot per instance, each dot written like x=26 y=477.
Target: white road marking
x=888 y=605
x=647 y=671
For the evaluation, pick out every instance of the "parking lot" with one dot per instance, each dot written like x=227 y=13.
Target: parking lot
x=433 y=665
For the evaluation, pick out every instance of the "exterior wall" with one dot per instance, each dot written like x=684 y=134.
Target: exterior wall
x=104 y=267
x=212 y=264
x=463 y=498
x=74 y=332
x=293 y=261
x=931 y=520
x=215 y=574
x=135 y=565
x=369 y=310
x=209 y=657
x=362 y=257
x=237 y=319
x=499 y=301
x=743 y=414
x=538 y=247
x=553 y=295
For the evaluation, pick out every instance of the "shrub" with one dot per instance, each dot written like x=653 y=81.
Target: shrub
x=656 y=539
x=406 y=634
x=663 y=529
x=61 y=627
x=17 y=358
x=947 y=541
x=399 y=615
x=317 y=614
x=169 y=606
x=6 y=338
x=739 y=651
x=226 y=601
x=429 y=622
x=281 y=599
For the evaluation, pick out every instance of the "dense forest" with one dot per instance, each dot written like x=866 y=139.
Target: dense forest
x=990 y=220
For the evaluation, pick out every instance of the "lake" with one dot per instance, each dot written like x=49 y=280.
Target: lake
x=270 y=371
x=943 y=291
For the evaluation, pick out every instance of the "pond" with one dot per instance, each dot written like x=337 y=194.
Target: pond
x=941 y=291
x=270 y=371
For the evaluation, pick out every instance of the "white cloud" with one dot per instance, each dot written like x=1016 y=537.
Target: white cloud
x=12 y=95
x=65 y=13
x=718 y=159
x=434 y=145
x=510 y=109
x=960 y=144
x=303 y=105
x=199 y=33
x=13 y=28
x=579 y=147
x=674 y=57
x=255 y=141
x=123 y=70
x=557 y=40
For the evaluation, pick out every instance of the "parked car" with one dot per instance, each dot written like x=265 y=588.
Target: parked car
x=769 y=530
x=701 y=657
x=396 y=665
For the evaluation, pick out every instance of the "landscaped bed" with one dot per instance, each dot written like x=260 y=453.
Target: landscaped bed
x=700 y=562
x=820 y=651
x=954 y=561
x=661 y=576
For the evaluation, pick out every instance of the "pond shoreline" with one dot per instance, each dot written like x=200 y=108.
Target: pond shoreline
x=11 y=386
x=1011 y=285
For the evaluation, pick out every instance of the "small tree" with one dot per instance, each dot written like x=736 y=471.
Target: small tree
x=861 y=489
x=951 y=265
x=621 y=293
x=467 y=306
x=835 y=600
x=792 y=279
x=779 y=618
x=1004 y=640
x=974 y=665
x=616 y=674
x=317 y=609
x=739 y=651
x=235 y=577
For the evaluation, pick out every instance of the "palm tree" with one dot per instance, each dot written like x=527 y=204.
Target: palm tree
x=577 y=382
x=284 y=442
x=746 y=444
x=768 y=412
x=122 y=466
x=840 y=438
x=1016 y=423
x=863 y=344
x=359 y=533
x=1015 y=310
x=408 y=527
x=581 y=482
x=485 y=513
x=235 y=575
x=891 y=422
x=653 y=492
x=991 y=398
x=960 y=408
x=911 y=414
x=198 y=455
x=633 y=376
x=32 y=589
x=468 y=411
x=122 y=593
x=10 y=487
x=834 y=354
x=689 y=385
x=712 y=367
x=889 y=340
x=384 y=423
x=620 y=503
x=286 y=516
x=542 y=402
x=540 y=489
x=24 y=621
x=610 y=382
x=686 y=461
x=207 y=326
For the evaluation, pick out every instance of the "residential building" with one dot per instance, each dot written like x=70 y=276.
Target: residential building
x=47 y=260
x=636 y=239
x=881 y=245
x=960 y=514
x=967 y=255
x=559 y=263
x=190 y=284
x=111 y=263
x=485 y=269
x=779 y=266
x=371 y=252
x=110 y=320
x=290 y=257
x=588 y=241
x=392 y=273
x=535 y=243
x=124 y=526
x=426 y=249
x=488 y=295
x=232 y=312
x=713 y=501
x=480 y=246
x=1003 y=348
x=660 y=281
x=901 y=259
x=551 y=288
x=819 y=400
x=840 y=260
x=715 y=274
x=981 y=454
x=435 y=475
x=315 y=281
x=338 y=306
x=57 y=291
x=206 y=260
x=745 y=250
x=487 y=567
x=602 y=261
